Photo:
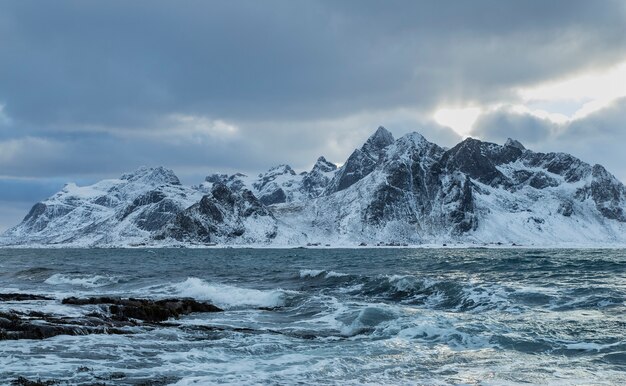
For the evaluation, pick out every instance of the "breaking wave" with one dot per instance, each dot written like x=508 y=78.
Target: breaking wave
x=318 y=273
x=228 y=296
x=82 y=280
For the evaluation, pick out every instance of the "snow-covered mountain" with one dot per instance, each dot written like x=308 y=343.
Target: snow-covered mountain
x=404 y=191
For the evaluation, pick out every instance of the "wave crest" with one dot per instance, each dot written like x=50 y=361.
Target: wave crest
x=227 y=296
x=81 y=280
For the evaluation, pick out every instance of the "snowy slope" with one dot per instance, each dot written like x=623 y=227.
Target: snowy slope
x=120 y=211
x=404 y=191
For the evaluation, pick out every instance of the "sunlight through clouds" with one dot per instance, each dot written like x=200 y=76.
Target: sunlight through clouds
x=593 y=90
x=460 y=120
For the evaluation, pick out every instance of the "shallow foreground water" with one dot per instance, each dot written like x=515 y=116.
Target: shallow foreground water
x=331 y=316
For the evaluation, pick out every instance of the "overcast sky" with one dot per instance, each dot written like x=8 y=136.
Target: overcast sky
x=89 y=90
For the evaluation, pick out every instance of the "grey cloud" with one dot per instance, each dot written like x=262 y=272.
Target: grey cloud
x=88 y=89
x=75 y=63
x=503 y=123
x=253 y=147
x=105 y=155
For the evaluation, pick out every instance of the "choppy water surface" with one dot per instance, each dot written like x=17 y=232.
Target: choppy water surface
x=360 y=316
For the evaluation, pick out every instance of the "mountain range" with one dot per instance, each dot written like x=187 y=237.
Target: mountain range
x=404 y=191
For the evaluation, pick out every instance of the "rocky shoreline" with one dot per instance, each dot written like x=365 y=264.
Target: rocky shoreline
x=113 y=315
x=107 y=315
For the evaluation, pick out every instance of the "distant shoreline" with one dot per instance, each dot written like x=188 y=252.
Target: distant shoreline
x=351 y=247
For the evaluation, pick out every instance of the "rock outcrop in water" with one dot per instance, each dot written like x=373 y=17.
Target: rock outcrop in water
x=114 y=315
x=405 y=190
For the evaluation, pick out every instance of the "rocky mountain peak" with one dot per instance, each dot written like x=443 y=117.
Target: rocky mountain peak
x=404 y=191
x=152 y=176
x=378 y=141
x=277 y=171
x=323 y=165
x=412 y=140
x=514 y=143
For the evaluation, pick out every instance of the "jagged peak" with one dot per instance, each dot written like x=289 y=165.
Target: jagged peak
x=221 y=177
x=414 y=138
x=599 y=172
x=323 y=165
x=470 y=140
x=215 y=177
x=467 y=143
x=278 y=170
x=514 y=143
x=379 y=140
x=282 y=169
x=152 y=175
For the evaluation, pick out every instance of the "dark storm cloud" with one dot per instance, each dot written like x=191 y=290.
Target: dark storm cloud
x=502 y=124
x=80 y=63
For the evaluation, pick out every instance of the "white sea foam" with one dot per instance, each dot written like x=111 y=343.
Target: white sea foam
x=304 y=273
x=227 y=296
x=82 y=280
x=310 y=272
x=590 y=346
x=335 y=274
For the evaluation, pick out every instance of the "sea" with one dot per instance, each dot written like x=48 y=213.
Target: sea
x=365 y=316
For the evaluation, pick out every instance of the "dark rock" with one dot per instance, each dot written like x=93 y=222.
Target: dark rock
x=541 y=180
x=41 y=214
x=223 y=194
x=151 y=197
x=278 y=196
x=157 y=216
x=233 y=181
x=14 y=325
x=571 y=168
x=566 y=209
x=315 y=183
x=218 y=217
x=21 y=297
x=216 y=178
x=362 y=161
x=386 y=205
x=514 y=143
x=608 y=194
x=323 y=165
x=479 y=159
x=37 y=210
x=378 y=141
x=107 y=201
x=116 y=315
x=521 y=176
x=358 y=165
x=21 y=381
x=536 y=220
x=209 y=209
x=459 y=198
x=144 y=309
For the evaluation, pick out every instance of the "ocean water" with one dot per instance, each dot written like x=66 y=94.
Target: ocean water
x=332 y=316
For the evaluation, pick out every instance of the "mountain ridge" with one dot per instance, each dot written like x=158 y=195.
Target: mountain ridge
x=389 y=191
